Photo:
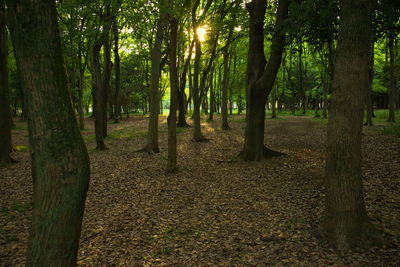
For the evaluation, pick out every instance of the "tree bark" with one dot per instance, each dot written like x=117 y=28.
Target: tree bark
x=152 y=137
x=392 y=74
x=5 y=116
x=117 y=63
x=60 y=163
x=212 y=96
x=181 y=93
x=101 y=81
x=368 y=97
x=261 y=76
x=347 y=224
x=224 y=104
x=172 y=147
x=81 y=68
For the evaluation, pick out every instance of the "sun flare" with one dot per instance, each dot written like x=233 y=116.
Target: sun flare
x=202 y=32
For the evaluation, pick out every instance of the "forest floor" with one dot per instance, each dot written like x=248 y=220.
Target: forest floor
x=210 y=213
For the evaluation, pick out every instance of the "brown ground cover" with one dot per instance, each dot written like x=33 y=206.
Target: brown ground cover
x=210 y=213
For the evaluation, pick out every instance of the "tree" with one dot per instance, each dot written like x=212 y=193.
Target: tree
x=101 y=79
x=172 y=154
x=117 y=62
x=60 y=163
x=261 y=76
x=5 y=116
x=152 y=137
x=197 y=135
x=347 y=224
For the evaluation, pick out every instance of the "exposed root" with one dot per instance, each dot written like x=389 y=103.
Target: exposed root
x=265 y=153
x=148 y=150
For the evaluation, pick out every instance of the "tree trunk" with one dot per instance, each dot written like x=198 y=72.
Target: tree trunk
x=181 y=93
x=261 y=77
x=117 y=63
x=347 y=224
x=5 y=116
x=80 y=88
x=60 y=163
x=106 y=79
x=224 y=106
x=212 y=97
x=393 y=94
x=197 y=135
x=152 y=136
x=273 y=102
x=101 y=81
x=368 y=101
x=172 y=149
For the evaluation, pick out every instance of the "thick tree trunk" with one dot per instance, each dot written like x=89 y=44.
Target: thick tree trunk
x=5 y=116
x=260 y=77
x=347 y=224
x=392 y=74
x=152 y=137
x=117 y=63
x=60 y=163
x=172 y=147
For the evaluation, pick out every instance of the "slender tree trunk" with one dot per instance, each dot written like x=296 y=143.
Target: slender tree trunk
x=5 y=116
x=100 y=81
x=273 y=102
x=224 y=107
x=347 y=224
x=261 y=76
x=152 y=137
x=172 y=147
x=212 y=97
x=368 y=101
x=60 y=163
x=117 y=63
x=182 y=86
x=80 y=86
x=197 y=135
x=392 y=74
x=106 y=79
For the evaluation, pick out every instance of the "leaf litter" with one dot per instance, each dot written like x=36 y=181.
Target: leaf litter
x=210 y=213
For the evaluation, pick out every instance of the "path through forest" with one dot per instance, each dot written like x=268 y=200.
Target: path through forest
x=210 y=212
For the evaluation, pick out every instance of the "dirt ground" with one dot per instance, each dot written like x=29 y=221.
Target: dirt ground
x=210 y=213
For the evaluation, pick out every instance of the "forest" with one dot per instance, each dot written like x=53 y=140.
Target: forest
x=199 y=133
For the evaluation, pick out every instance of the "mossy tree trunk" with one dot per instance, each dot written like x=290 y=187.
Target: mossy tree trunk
x=347 y=224
x=261 y=76
x=60 y=163
x=5 y=116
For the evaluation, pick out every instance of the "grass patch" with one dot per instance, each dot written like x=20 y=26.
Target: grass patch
x=321 y=120
x=21 y=148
